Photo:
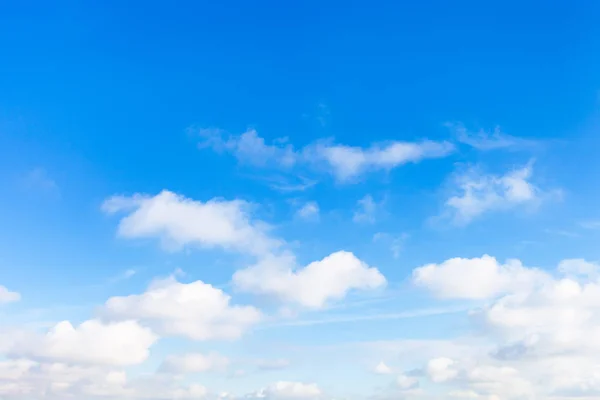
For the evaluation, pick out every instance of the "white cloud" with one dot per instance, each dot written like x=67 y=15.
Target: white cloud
x=382 y=369
x=579 y=267
x=484 y=140
x=284 y=390
x=178 y=221
x=406 y=382
x=348 y=162
x=544 y=328
x=6 y=296
x=345 y=162
x=194 y=362
x=92 y=342
x=476 y=278
x=479 y=194
x=249 y=148
x=366 y=210
x=441 y=369
x=195 y=310
x=24 y=380
x=309 y=211
x=312 y=286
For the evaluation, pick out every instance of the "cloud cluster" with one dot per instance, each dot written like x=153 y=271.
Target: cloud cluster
x=544 y=327
x=175 y=308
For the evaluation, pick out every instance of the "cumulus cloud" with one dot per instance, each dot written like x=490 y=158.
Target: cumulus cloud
x=195 y=310
x=544 y=327
x=178 y=221
x=194 y=362
x=477 y=194
x=92 y=342
x=313 y=285
x=476 y=278
x=345 y=163
x=7 y=296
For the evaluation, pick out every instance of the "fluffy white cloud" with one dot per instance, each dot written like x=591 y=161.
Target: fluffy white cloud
x=194 y=362
x=308 y=211
x=92 y=342
x=344 y=162
x=479 y=194
x=288 y=390
x=382 y=369
x=178 y=221
x=544 y=328
x=195 y=310
x=441 y=369
x=476 y=278
x=6 y=296
x=312 y=286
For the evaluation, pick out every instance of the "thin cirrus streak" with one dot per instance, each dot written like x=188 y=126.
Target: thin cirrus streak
x=358 y=318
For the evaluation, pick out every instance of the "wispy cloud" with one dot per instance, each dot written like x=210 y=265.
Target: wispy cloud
x=590 y=224
x=366 y=210
x=346 y=163
x=489 y=140
x=369 y=317
x=395 y=242
x=39 y=179
x=561 y=232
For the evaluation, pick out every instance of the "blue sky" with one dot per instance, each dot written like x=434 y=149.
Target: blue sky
x=296 y=201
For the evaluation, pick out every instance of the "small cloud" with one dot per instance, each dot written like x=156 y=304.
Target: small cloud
x=309 y=211
x=382 y=369
x=396 y=243
x=38 y=179
x=6 y=296
x=366 y=210
x=322 y=113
